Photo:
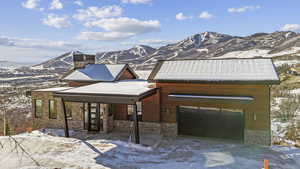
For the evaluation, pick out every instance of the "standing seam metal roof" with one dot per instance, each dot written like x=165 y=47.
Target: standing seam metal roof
x=216 y=70
x=96 y=72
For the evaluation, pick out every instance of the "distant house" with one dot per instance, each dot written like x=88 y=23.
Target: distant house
x=227 y=98
x=294 y=71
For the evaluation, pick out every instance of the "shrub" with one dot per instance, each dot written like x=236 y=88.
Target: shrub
x=288 y=109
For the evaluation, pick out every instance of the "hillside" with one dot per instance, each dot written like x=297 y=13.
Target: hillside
x=198 y=46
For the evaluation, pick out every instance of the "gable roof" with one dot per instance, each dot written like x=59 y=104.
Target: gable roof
x=256 y=71
x=98 y=72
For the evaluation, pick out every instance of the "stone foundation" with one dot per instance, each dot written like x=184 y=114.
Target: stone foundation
x=144 y=127
x=55 y=123
x=167 y=129
x=261 y=137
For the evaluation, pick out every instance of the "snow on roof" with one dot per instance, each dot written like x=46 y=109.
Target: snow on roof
x=54 y=89
x=143 y=74
x=134 y=87
x=216 y=70
x=96 y=72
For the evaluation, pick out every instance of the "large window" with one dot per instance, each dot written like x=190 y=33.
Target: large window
x=68 y=109
x=130 y=111
x=52 y=109
x=38 y=108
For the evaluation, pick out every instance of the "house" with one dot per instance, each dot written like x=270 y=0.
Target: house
x=218 y=98
x=294 y=71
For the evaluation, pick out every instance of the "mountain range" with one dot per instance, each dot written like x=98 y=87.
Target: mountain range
x=198 y=46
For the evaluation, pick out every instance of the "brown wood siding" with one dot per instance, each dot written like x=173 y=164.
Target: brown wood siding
x=78 y=84
x=126 y=75
x=151 y=108
x=120 y=111
x=259 y=107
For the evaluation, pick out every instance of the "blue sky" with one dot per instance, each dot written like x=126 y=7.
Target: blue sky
x=36 y=30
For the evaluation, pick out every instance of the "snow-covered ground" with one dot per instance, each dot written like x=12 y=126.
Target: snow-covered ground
x=113 y=151
x=260 y=52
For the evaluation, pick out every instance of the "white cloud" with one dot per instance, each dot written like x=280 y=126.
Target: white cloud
x=136 y=1
x=31 y=4
x=94 y=12
x=78 y=2
x=56 y=21
x=36 y=43
x=181 y=16
x=243 y=9
x=56 y=4
x=119 y=28
x=205 y=15
x=291 y=27
x=124 y=24
x=104 y=36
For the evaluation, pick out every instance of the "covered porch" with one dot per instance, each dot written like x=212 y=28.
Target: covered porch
x=99 y=100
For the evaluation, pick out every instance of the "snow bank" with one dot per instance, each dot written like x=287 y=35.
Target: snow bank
x=132 y=145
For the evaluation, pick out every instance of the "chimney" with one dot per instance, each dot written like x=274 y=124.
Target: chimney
x=81 y=60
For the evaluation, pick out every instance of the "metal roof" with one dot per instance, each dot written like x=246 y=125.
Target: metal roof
x=134 y=87
x=54 y=89
x=124 y=91
x=216 y=70
x=97 y=72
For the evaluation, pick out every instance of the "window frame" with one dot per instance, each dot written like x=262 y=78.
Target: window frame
x=54 y=109
x=68 y=106
x=35 y=108
x=139 y=113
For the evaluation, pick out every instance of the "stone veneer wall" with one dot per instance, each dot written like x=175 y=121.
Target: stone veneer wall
x=75 y=122
x=168 y=129
x=261 y=137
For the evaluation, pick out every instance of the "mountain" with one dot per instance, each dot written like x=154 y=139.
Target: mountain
x=12 y=65
x=198 y=46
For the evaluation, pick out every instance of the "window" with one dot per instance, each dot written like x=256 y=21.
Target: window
x=68 y=109
x=130 y=111
x=38 y=108
x=139 y=109
x=52 y=109
x=86 y=115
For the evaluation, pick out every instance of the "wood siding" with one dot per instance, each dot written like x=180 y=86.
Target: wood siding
x=78 y=84
x=151 y=108
x=257 y=113
x=126 y=75
x=120 y=111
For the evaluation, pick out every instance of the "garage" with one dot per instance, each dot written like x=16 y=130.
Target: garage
x=210 y=122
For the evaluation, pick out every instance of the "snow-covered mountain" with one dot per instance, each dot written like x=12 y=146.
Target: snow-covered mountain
x=12 y=65
x=198 y=46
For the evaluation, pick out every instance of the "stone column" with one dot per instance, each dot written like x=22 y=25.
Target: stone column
x=105 y=118
x=261 y=137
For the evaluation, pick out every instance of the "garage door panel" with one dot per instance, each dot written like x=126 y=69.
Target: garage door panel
x=210 y=123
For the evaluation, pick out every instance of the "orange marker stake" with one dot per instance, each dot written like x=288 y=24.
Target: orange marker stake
x=266 y=166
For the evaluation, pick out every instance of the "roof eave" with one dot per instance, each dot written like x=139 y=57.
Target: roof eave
x=261 y=82
x=93 y=81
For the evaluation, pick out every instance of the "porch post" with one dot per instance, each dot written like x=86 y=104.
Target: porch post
x=65 y=118
x=136 y=124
